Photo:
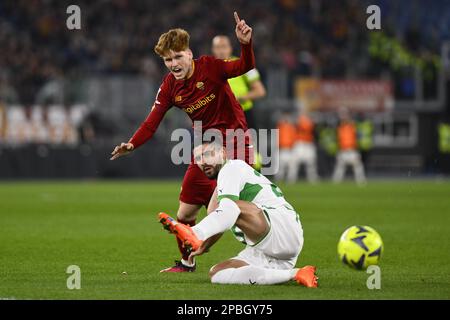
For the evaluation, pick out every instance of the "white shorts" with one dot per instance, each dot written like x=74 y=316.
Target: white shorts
x=305 y=152
x=280 y=248
x=352 y=157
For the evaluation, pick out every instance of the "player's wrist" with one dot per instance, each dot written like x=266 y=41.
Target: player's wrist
x=245 y=43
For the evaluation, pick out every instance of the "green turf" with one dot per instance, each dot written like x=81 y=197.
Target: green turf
x=110 y=227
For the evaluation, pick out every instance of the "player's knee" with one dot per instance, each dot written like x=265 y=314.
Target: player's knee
x=222 y=276
x=216 y=270
x=187 y=212
x=213 y=271
x=186 y=217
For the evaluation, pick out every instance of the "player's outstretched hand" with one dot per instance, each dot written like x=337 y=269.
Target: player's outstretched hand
x=201 y=250
x=123 y=149
x=243 y=31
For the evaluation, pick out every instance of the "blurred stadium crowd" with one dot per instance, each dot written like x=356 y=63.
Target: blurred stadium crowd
x=323 y=38
x=41 y=60
x=45 y=124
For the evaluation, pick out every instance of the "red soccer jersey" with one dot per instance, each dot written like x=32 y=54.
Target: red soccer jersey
x=205 y=96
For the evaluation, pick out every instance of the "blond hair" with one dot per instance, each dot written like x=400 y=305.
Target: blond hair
x=174 y=39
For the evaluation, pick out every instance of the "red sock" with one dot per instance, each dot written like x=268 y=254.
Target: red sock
x=183 y=251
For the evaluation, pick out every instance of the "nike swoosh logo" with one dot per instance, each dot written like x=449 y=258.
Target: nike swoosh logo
x=250 y=280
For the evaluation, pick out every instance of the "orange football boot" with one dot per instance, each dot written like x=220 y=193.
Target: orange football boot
x=182 y=231
x=306 y=276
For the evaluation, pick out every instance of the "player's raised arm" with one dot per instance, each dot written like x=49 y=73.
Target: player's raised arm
x=243 y=31
x=246 y=62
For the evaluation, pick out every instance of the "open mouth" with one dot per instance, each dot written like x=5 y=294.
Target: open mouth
x=177 y=71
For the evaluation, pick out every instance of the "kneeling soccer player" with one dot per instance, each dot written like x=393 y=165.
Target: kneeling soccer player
x=258 y=215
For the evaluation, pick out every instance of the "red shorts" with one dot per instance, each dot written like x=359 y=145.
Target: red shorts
x=197 y=188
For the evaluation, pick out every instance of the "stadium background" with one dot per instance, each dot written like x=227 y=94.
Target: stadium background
x=105 y=76
x=108 y=73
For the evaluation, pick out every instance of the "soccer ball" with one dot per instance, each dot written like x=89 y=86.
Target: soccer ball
x=360 y=247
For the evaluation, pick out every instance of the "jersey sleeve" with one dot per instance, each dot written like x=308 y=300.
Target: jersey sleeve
x=234 y=68
x=230 y=182
x=163 y=102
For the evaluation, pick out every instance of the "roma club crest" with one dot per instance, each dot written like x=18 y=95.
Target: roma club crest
x=200 y=85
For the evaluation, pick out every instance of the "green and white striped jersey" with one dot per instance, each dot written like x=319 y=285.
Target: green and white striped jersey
x=239 y=181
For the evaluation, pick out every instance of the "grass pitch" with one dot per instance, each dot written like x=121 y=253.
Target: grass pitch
x=107 y=228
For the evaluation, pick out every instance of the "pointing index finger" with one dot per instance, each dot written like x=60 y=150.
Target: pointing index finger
x=236 y=17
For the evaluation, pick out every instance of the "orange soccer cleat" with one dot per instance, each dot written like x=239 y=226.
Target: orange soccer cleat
x=306 y=276
x=182 y=231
